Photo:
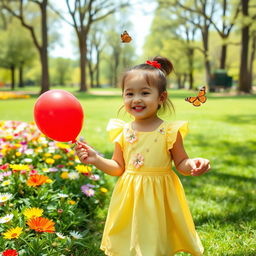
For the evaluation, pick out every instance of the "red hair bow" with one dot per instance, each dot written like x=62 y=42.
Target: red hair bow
x=154 y=63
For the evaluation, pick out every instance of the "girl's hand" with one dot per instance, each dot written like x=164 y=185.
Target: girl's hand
x=199 y=166
x=85 y=153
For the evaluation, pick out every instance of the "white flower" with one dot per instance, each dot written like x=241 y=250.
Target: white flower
x=59 y=235
x=27 y=160
x=5 y=183
x=73 y=175
x=62 y=195
x=4 y=197
x=76 y=235
x=29 y=151
x=95 y=177
x=6 y=218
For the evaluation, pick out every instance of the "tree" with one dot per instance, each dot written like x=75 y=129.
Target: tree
x=96 y=44
x=61 y=70
x=17 y=10
x=252 y=57
x=245 y=78
x=201 y=12
x=83 y=15
x=16 y=50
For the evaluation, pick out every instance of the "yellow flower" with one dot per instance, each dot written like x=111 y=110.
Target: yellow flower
x=64 y=175
x=38 y=149
x=72 y=202
x=49 y=161
x=104 y=190
x=3 y=151
x=70 y=163
x=33 y=212
x=83 y=168
x=62 y=145
x=49 y=181
x=47 y=154
x=56 y=157
x=9 y=137
x=20 y=167
x=12 y=233
x=18 y=154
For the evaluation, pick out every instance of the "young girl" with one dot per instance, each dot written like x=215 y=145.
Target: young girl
x=148 y=213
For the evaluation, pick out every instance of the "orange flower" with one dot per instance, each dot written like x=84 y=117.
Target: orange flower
x=41 y=224
x=36 y=180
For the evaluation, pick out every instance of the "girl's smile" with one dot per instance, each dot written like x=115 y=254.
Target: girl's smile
x=138 y=108
x=140 y=99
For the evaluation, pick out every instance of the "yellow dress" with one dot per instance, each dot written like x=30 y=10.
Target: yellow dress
x=148 y=213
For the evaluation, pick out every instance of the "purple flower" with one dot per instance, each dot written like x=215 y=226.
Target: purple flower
x=87 y=190
x=53 y=169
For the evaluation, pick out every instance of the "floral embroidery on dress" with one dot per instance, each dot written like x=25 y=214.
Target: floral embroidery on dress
x=138 y=160
x=130 y=136
x=162 y=131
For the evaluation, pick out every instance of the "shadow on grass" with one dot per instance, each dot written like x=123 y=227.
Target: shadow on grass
x=240 y=119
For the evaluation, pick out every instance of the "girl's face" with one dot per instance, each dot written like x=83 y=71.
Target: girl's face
x=140 y=99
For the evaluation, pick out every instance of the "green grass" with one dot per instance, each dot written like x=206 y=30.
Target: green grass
x=222 y=202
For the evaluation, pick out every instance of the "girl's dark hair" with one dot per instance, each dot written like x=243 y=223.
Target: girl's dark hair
x=155 y=77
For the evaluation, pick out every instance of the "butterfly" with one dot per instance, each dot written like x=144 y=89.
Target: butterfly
x=199 y=99
x=125 y=37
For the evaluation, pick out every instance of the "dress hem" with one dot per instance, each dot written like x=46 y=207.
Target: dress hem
x=109 y=253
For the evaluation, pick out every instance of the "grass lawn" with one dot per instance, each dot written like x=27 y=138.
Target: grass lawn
x=222 y=202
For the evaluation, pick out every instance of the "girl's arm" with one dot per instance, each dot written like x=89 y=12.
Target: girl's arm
x=114 y=166
x=184 y=164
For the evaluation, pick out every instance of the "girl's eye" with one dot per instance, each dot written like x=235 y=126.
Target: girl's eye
x=129 y=94
x=145 y=93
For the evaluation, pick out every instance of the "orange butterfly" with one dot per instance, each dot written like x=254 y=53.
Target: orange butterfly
x=199 y=99
x=125 y=37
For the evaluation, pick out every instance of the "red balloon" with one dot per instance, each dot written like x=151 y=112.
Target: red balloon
x=59 y=115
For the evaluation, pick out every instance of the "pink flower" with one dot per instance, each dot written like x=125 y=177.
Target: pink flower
x=33 y=172
x=6 y=174
x=4 y=166
x=138 y=160
x=130 y=136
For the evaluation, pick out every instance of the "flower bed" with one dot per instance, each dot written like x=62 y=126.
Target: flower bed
x=12 y=95
x=47 y=197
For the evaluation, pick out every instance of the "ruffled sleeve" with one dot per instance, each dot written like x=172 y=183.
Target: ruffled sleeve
x=115 y=130
x=172 y=131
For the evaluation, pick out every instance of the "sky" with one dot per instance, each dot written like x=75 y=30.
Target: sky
x=141 y=19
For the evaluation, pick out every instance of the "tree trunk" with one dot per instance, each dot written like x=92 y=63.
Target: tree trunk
x=252 y=59
x=83 y=52
x=12 y=77
x=191 y=67
x=21 y=84
x=223 y=56
x=179 y=80
x=116 y=64
x=244 y=85
x=45 y=83
x=205 y=35
x=183 y=82
x=91 y=76
x=98 y=70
